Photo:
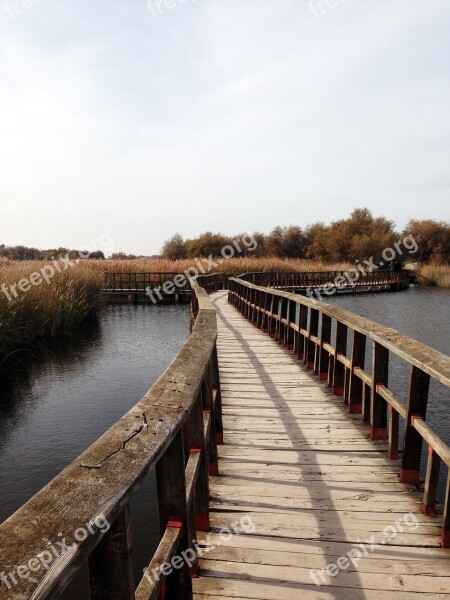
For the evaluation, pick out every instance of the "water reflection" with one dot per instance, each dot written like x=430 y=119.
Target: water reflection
x=17 y=385
x=69 y=395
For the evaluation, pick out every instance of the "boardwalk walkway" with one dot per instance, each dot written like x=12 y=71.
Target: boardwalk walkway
x=314 y=485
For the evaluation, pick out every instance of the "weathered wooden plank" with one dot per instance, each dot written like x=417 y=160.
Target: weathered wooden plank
x=279 y=546
x=223 y=587
x=97 y=486
x=311 y=480
x=346 y=579
x=150 y=586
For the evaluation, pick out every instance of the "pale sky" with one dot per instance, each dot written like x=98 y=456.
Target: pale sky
x=222 y=115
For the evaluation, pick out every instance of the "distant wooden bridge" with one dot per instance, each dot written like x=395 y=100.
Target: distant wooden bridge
x=175 y=287
x=279 y=472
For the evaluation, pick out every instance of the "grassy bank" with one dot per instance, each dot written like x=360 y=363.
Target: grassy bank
x=436 y=275
x=45 y=310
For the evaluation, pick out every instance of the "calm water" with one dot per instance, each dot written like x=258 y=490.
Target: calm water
x=50 y=414
x=72 y=396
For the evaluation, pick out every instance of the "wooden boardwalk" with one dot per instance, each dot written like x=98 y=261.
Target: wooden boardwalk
x=318 y=491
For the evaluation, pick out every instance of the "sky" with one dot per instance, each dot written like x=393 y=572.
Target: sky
x=137 y=119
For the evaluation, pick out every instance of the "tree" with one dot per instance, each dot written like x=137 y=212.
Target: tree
x=174 y=248
x=122 y=256
x=433 y=240
x=260 y=249
x=295 y=242
x=361 y=236
x=275 y=242
x=207 y=244
x=317 y=241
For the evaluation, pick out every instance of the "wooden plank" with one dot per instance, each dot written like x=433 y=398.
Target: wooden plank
x=310 y=479
x=278 y=546
x=346 y=579
x=223 y=587
x=151 y=584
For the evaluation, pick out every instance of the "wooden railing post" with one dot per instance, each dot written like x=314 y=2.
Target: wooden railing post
x=198 y=443
x=338 y=367
x=380 y=375
x=239 y=297
x=197 y=494
x=431 y=482
x=393 y=433
x=281 y=333
x=355 y=398
x=324 y=356
x=273 y=314
x=412 y=441
x=250 y=297
x=111 y=564
x=254 y=312
x=215 y=381
x=208 y=408
x=445 y=538
x=310 y=344
x=289 y=334
x=302 y=325
x=259 y=314
x=266 y=307
x=171 y=482
x=366 y=404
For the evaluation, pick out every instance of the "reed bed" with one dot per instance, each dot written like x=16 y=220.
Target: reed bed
x=436 y=275
x=45 y=310
x=58 y=307
x=234 y=266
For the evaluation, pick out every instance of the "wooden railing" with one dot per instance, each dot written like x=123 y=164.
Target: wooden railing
x=214 y=282
x=135 y=282
x=140 y=282
x=334 y=279
x=305 y=326
x=175 y=429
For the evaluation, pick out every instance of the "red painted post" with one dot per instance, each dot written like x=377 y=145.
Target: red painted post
x=412 y=442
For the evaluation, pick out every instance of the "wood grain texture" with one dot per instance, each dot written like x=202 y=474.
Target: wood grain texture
x=314 y=485
x=101 y=481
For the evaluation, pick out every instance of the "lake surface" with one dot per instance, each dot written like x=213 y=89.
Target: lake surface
x=71 y=396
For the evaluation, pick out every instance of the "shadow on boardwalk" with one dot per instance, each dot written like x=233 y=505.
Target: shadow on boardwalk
x=328 y=530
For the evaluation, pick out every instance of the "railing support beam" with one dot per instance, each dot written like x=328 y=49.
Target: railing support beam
x=412 y=442
x=111 y=565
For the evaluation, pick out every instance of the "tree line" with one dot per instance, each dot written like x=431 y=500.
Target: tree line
x=359 y=236
x=25 y=253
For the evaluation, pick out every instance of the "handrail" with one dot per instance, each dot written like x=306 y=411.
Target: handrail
x=174 y=428
x=305 y=326
x=115 y=281
x=141 y=281
x=331 y=280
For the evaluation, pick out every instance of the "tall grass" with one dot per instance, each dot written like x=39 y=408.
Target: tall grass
x=59 y=307
x=46 y=310
x=233 y=266
x=436 y=275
